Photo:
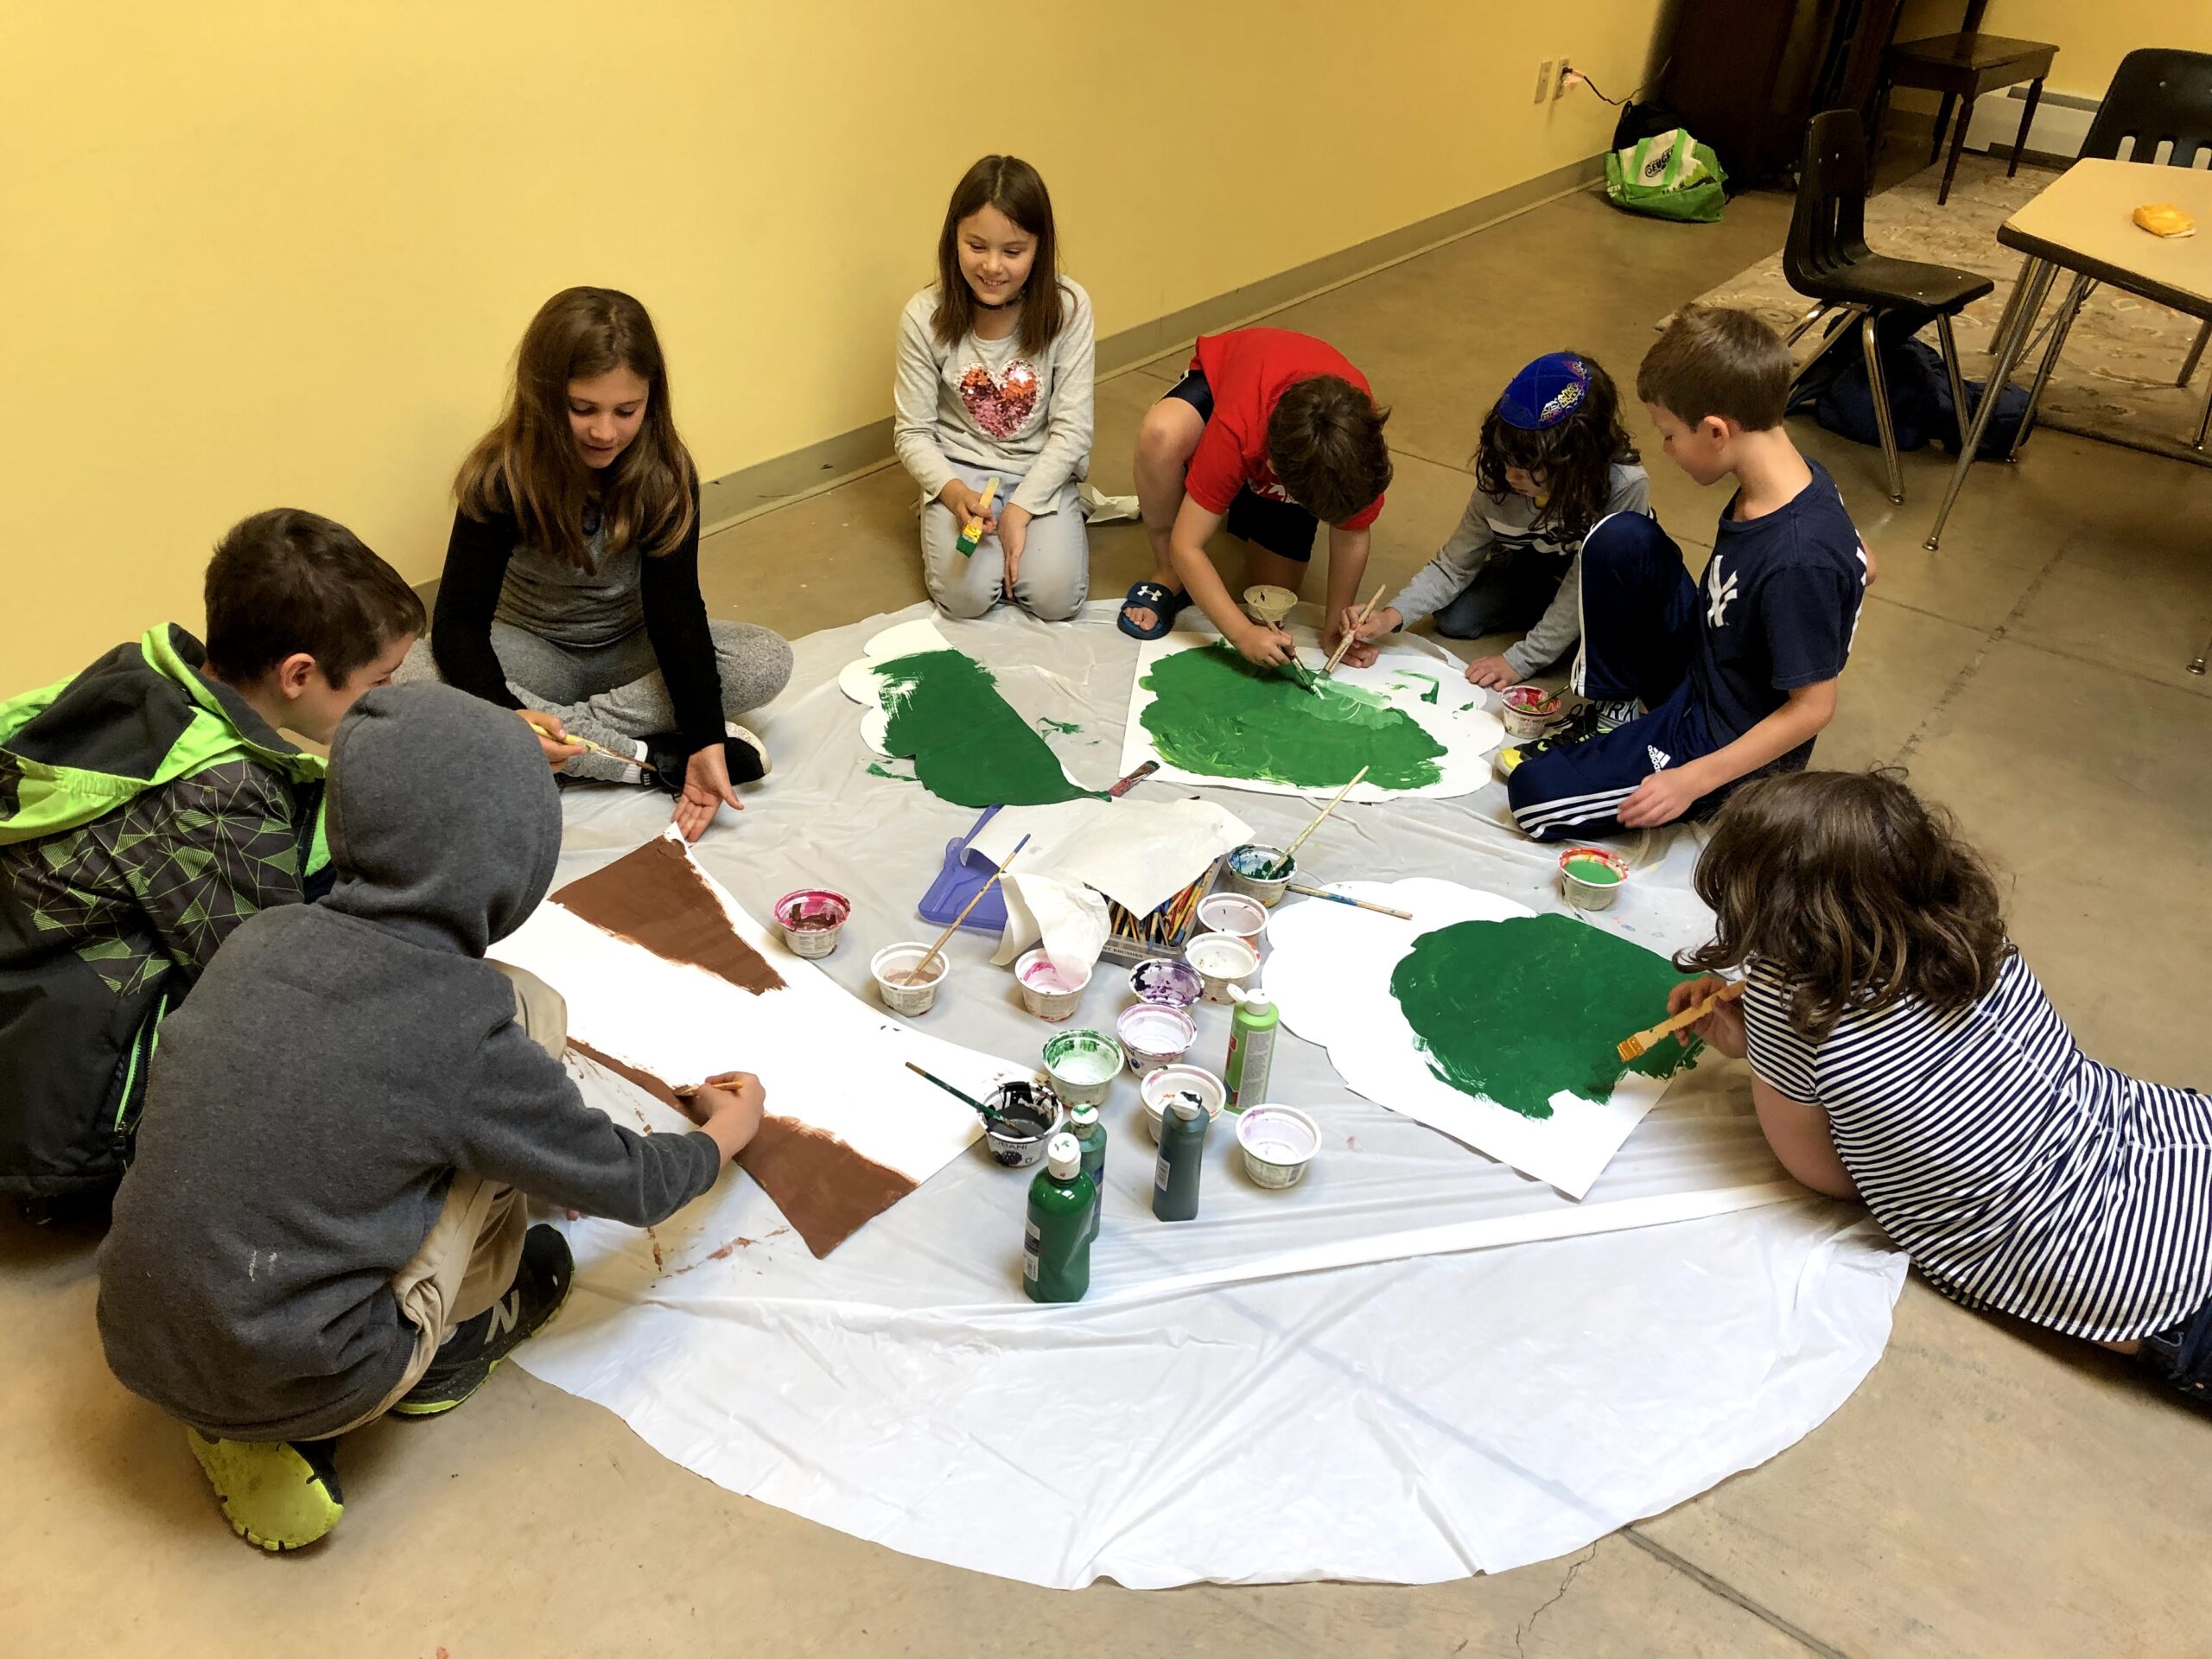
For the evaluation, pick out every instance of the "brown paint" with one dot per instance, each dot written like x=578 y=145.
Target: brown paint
x=656 y=898
x=825 y=1188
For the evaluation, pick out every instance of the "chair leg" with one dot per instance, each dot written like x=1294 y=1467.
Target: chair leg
x=2196 y=353
x=2061 y=325
x=2027 y=119
x=1820 y=310
x=1958 y=144
x=2197 y=666
x=1942 y=120
x=1869 y=347
x=1836 y=320
x=2004 y=357
x=2204 y=422
x=1951 y=372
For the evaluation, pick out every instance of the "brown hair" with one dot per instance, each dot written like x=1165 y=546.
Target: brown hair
x=287 y=581
x=1714 y=361
x=1860 y=892
x=1576 y=457
x=529 y=464
x=1325 y=445
x=1016 y=189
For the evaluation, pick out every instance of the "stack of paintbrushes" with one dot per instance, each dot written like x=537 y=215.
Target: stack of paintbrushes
x=1132 y=937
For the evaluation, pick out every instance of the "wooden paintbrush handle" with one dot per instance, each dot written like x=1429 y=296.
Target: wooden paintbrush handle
x=1695 y=1011
x=920 y=971
x=1351 y=633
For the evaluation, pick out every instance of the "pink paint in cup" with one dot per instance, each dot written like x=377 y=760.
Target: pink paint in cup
x=811 y=920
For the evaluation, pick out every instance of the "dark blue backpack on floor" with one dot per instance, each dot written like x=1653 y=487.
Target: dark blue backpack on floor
x=1920 y=398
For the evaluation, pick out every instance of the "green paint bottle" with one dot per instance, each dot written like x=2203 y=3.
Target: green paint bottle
x=1182 y=1158
x=1056 y=1249
x=1090 y=1135
x=1251 y=1048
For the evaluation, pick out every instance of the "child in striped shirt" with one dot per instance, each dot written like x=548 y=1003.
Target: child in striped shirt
x=1902 y=1053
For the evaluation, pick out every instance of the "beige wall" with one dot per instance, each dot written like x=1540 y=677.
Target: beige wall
x=2092 y=35
x=263 y=253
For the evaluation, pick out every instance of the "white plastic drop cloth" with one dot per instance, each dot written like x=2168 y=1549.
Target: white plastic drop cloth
x=1416 y=1366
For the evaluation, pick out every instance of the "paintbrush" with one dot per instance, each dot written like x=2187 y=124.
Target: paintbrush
x=1352 y=633
x=920 y=970
x=991 y=1114
x=1284 y=866
x=972 y=532
x=589 y=746
x=1346 y=899
x=1130 y=782
x=1301 y=675
x=1630 y=1048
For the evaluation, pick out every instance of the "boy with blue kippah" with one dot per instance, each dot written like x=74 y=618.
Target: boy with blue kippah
x=1692 y=688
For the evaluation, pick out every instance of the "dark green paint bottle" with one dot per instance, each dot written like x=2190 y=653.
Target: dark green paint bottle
x=1056 y=1251
x=1182 y=1158
x=1090 y=1135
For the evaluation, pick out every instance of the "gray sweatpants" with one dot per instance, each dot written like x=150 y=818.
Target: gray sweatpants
x=1055 y=575
x=614 y=694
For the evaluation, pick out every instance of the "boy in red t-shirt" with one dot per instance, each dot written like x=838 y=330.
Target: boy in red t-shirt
x=1272 y=433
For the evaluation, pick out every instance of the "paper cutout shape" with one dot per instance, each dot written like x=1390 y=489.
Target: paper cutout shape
x=942 y=709
x=1331 y=972
x=848 y=1131
x=1209 y=717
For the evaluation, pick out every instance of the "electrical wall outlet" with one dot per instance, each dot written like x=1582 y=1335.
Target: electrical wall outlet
x=1559 y=85
x=1543 y=81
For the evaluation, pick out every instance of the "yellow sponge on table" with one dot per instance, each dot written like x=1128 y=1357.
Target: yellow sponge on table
x=2163 y=218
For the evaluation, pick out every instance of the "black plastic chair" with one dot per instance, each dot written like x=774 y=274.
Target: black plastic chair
x=1827 y=258
x=2158 y=97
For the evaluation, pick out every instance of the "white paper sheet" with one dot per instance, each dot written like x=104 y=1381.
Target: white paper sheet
x=1138 y=853
x=1068 y=918
x=1408 y=671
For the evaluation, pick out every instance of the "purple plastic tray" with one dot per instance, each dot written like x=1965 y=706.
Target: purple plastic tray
x=964 y=871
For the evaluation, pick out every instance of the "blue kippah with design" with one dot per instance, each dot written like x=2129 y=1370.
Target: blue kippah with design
x=1546 y=392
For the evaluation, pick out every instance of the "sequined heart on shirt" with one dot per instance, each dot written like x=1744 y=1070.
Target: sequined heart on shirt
x=1001 y=407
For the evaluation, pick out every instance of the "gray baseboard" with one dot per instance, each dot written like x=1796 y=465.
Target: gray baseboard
x=755 y=489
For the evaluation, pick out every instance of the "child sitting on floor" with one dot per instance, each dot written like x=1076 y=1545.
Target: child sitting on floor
x=1273 y=434
x=326 y=1219
x=1552 y=460
x=994 y=381
x=1692 y=688
x=149 y=806
x=1902 y=1053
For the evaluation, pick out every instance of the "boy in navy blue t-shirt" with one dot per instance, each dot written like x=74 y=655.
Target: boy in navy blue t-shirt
x=1737 y=673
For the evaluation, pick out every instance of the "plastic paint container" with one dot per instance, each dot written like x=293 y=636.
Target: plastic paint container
x=1033 y=1115
x=811 y=920
x=1234 y=914
x=1179 y=1079
x=890 y=966
x=1046 y=992
x=1082 y=1065
x=1164 y=979
x=1278 y=1142
x=1590 y=878
x=1267 y=604
x=1153 y=1034
x=1246 y=873
x=1222 y=960
x=1528 y=710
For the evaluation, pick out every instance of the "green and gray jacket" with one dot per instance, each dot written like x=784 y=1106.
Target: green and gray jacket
x=145 y=812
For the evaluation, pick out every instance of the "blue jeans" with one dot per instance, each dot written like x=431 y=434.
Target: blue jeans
x=1509 y=594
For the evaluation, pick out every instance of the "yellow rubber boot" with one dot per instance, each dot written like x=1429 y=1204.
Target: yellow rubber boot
x=276 y=1495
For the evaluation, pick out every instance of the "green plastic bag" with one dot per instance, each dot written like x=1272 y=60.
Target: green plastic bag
x=1668 y=175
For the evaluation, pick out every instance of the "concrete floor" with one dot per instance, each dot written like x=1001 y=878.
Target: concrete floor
x=1987 y=1490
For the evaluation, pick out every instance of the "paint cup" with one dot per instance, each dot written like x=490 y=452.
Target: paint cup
x=1045 y=991
x=1278 y=1143
x=1235 y=914
x=1167 y=1081
x=890 y=966
x=1590 y=878
x=1222 y=960
x=1528 y=710
x=1251 y=868
x=811 y=920
x=1153 y=1034
x=1165 y=980
x=1082 y=1066
x=1032 y=1116
x=1266 y=604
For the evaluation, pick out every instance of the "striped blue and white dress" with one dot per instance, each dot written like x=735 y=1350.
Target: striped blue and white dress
x=2016 y=1171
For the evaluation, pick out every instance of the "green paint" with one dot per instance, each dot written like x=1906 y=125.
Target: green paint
x=1465 y=707
x=1595 y=871
x=1065 y=727
x=882 y=770
x=1434 y=686
x=969 y=746
x=1212 y=712
x=1512 y=1012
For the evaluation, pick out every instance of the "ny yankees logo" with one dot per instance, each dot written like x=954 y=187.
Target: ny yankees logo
x=1722 y=592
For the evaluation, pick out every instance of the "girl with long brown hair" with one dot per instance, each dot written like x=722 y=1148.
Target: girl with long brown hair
x=571 y=584
x=994 y=381
x=1902 y=1053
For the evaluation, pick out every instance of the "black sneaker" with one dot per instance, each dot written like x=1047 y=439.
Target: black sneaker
x=2181 y=1356
x=473 y=1350
x=745 y=755
x=1587 y=721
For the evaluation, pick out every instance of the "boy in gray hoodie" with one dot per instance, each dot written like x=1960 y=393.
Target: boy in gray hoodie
x=326 y=1219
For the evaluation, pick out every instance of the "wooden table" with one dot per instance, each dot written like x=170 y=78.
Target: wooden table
x=1963 y=67
x=2081 y=223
